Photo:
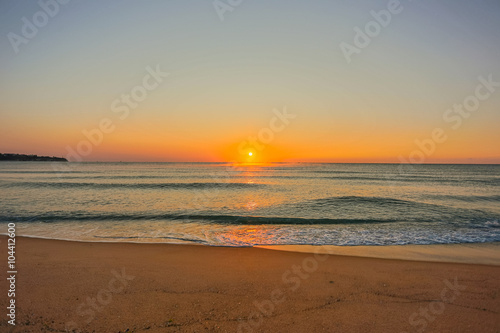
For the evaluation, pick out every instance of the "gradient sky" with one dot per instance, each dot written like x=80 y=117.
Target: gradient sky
x=226 y=77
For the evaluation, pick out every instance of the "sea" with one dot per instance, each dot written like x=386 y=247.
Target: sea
x=225 y=204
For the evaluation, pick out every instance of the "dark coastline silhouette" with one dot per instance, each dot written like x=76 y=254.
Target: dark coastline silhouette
x=28 y=158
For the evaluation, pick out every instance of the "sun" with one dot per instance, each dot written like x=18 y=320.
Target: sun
x=250 y=154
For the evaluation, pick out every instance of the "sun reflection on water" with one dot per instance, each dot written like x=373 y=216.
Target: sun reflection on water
x=247 y=235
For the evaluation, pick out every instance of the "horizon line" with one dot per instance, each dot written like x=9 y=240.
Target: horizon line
x=294 y=162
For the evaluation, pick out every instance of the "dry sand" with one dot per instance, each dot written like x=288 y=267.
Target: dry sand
x=106 y=287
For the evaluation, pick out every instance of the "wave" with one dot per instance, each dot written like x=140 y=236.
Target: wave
x=348 y=202
x=60 y=179
x=129 y=238
x=115 y=177
x=391 y=209
x=330 y=210
x=384 y=201
x=418 y=179
x=227 y=219
x=131 y=185
x=358 y=199
x=222 y=219
x=467 y=198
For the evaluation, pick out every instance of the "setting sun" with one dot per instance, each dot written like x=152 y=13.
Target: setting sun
x=250 y=154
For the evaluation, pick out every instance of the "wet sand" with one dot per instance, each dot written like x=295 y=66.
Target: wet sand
x=112 y=287
x=474 y=253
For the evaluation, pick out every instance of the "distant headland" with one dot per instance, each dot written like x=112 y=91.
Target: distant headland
x=36 y=158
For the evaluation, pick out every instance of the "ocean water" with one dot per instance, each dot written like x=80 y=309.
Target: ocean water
x=245 y=205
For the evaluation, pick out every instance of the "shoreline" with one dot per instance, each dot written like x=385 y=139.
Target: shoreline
x=466 y=253
x=191 y=288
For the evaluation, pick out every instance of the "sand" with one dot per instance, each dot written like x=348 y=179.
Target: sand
x=475 y=253
x=112 y=287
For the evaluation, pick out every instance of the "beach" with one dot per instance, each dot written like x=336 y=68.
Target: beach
x=126 y=287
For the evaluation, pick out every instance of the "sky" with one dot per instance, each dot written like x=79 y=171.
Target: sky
x=282 y=80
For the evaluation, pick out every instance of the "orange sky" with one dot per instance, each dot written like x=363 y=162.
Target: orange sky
x=171 y=82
